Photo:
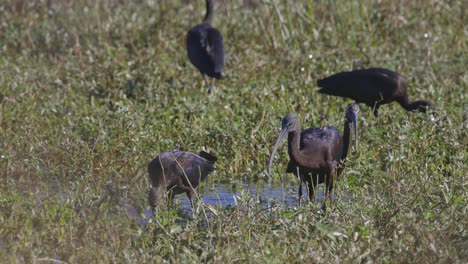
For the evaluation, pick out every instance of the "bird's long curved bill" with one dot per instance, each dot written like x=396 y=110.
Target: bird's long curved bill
x=356 y=136
x=275 y=148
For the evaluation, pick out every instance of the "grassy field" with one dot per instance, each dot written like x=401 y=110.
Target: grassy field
x=91 y=91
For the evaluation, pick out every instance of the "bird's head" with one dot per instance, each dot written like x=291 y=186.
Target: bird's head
x=289 y=123
x=352 y=111
x=351 y=117
x=155 y=196
x=423 y=106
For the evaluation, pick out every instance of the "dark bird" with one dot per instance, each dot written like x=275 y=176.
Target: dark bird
x=178 y=172
x=205 y=48
x=317 y=155
x=373 y=87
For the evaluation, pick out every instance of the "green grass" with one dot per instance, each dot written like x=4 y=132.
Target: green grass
x=91 y=91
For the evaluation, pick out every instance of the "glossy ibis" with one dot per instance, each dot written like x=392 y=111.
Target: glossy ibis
x=178 y=172
x=205 y=48
x=374 y=87
x=317 y=155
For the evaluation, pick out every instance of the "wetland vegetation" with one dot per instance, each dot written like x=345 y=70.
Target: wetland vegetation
x=92 y=91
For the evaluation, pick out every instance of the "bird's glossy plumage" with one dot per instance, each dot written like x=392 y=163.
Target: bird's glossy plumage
x=317 y=155
x=373 y=87
x=205 y=47
x=178 y=172
x=316 y=142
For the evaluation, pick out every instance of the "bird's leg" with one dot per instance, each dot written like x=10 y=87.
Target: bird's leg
x=329 y=186
x=190 y=193
x=300 y=191
x=376 y=112
x=311 y=191
x=211 y=89
x=169 y=198
x=324 y=207
x=311 y=184
x=191 y=201
x=206 y=82
x=376 y=109
x=328 y=189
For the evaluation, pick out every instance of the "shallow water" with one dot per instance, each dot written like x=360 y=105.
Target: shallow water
x=223 y=196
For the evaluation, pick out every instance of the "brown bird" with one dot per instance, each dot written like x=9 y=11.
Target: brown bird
x=205 y=48
x=317 y=155
x=178 y=172
x=374 y=87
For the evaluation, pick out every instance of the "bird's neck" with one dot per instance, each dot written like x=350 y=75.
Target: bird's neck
x=405 y=103
x=209 y=11
x=347 y=139
x=416 y=105
x=294 y=148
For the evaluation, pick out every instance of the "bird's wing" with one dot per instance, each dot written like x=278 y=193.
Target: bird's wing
x=194 y=167
x=322 y=142
x=367 y=86
x=214 y=47
x=344 y=84
x=313 y=136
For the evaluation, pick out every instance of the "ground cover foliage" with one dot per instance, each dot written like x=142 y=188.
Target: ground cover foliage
x=91 y=91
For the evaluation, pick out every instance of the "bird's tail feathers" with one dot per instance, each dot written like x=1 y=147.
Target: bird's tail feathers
x=325 y=91
x=320 y=83
x=209 y=156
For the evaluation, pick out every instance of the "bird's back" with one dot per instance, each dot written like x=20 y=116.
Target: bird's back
x=317 y=141
x=367 y=86
x=173 y=168
x=205 y=49
x=322 y=145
